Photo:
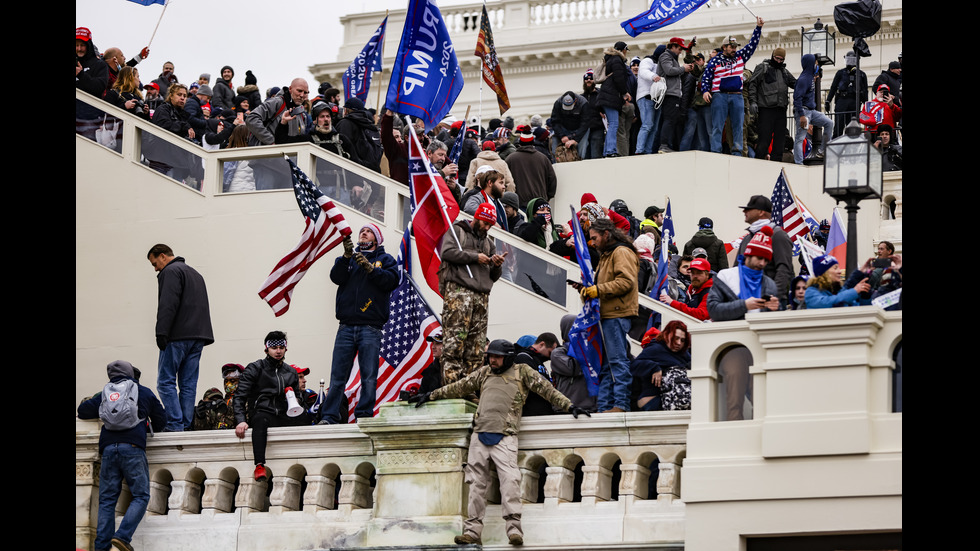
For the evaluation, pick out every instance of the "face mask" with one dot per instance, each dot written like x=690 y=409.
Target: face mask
x=231 y=386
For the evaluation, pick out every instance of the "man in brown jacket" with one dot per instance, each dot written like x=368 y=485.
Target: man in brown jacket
x=470 y=266
x=616 y=288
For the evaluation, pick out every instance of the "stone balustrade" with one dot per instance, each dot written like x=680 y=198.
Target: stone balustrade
x=397 y=479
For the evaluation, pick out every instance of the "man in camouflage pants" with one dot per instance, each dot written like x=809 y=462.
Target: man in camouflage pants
x=503 y=386
x=469 y=268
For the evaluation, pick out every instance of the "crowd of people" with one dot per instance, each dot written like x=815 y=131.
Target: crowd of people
x=503 y=177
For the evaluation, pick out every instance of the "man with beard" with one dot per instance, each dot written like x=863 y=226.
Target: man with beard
x=224 y=90
x=491 y=190
x=695 y=300
x=596 y=135
x=439 y=157
x=281 y=118
x=365 y=278
x=504 y=386
x=470 y=266
x=324 y=135
x=262 y=390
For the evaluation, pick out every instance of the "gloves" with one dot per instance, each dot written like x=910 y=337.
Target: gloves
x=363 y=262
x=144 y=53
x=826 y=107
x=348 y=247
x=161 y=342
x=420 y=399
x=589 y=293
x=576 y=411
x=754 y=109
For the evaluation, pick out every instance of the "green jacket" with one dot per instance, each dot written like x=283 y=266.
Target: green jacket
x=492 y=415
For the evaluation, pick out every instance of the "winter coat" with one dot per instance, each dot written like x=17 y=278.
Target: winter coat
x=490 y=158
x=533 y=174
x=655 y=358
x=707 y=240
x=616 y=282
x=770 y=84
x=696 y=302
x=645 y=76
x=823 y=296
x=574 y=122
x=617 y=80
x=724 y=303
x=224 y=95
x=566 y=372
x=803 y=94
x=353 y=128
x=723 y=73
x=148 y=407
x=532 y=231
x=671 y=70
x=262 y=387
x=842 y=88
x=362 y=297
x=94 y=77
x=780 y=268
x=263 y=122
x=183 y=312
x=456 y=259
x=172 y=118
x=894 y=83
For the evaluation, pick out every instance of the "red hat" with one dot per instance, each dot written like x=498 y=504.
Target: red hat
x=153 y=85
x=82 y=33
x=761 y=244
x=701 y=264
x=301 y=370
x=588 y=198
x=489 y=146
x=525 y=133
x=457 y=124
x=678 y=41
x=487 y=213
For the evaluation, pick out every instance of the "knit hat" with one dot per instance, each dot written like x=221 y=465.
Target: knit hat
x=635 y=61
x=823 y=263
x=524 y=133
x=589 y=74
x=354 y=103
x=205 y=90
x=378 y=236
x=594 y=211
x=205 y=76
x=229 y=68
x=761 y=244
x=781 y=52
x=894 y=65
x=510 y=199
x=501 y=132
x=487 y=213
x=250 y=78
x=587 y=198
x=541 y=134
x=536 y=121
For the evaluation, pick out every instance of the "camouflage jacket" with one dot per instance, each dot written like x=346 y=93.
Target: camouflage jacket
x=516 y=381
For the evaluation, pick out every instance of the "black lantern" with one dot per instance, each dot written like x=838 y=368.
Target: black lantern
x=820 y=42
x=852 y=173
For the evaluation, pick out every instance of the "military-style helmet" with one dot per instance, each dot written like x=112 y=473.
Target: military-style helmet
x=501 y=347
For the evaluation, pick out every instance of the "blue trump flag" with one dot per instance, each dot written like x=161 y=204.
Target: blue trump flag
x=661 y=14
x=663 y=263
x=585 y=341
x=149 y=2
x=426 y=78
x=357 y=77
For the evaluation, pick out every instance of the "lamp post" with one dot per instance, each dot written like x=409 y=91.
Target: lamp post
x=852 y=173
x=818 y=41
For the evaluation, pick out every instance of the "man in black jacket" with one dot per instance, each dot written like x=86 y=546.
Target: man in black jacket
x=123 y=458
x=768 y=97
x=183 y=329
x=260 y=400
x=365 y=279
x=614 y=93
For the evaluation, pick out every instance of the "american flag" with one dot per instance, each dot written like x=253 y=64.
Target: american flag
x=325 y=227
x=433 y=210
x=404 y=350
x=785 y=213
x=490 y=68
x=666 y=238
x=457 y=149
x=585 y=342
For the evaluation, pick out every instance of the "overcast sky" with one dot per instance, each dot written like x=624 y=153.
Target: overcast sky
x=278 y=41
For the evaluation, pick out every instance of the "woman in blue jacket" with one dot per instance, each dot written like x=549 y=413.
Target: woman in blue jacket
x=825 y=290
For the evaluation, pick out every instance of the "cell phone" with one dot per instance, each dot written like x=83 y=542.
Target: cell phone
x=574 y=283
x=297 y=110
x=881 y=263
x=766 y=297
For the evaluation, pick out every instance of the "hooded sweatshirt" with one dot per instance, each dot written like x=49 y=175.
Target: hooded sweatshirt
x=803 y=94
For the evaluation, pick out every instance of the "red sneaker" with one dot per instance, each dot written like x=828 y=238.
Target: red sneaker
x=260 y=475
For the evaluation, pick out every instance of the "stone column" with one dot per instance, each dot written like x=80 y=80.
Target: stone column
x=251 y=495
x=355 y=493
x=219 y=495
x=159 y=493
x=285 y=494
x=421 y=496
x=596 y=483
x=559 y=486
x=319 y=492
x=185 y=497
x=634 y=483
x=86 y=502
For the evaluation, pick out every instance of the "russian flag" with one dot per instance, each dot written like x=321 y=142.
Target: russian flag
x=837 y=239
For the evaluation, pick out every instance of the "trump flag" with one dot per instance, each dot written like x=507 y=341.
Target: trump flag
x=661 y=14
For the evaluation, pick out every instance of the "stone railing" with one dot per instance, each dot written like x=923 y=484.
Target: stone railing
x=397 y=479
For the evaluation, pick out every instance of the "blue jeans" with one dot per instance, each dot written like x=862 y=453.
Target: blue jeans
x=727 y=106
x=698 y=119
x=177 y=368
x=612 y=117
x=363 y=341
x=614 y=338
x=649 y=117
x=121 y=462
x=816 y=118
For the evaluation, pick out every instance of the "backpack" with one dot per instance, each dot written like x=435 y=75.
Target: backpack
x=676 y=388
x=369 y=149
x=599 y=73
x=119 y=409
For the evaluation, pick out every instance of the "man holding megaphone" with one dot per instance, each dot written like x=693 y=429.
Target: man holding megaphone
x=268 y=389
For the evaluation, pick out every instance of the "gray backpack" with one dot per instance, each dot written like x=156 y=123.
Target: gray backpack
x=119 y=409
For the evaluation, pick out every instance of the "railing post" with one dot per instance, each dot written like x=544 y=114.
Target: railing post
x=86 y=502
x=319 y=492
x=219 y=496
x=529 y=485
x=635 y=482
x=355 y=493
x=285 y=495
x=159 y=494
x=251 y=495
x=185 y=497
x=559 y=485
x=596 y=483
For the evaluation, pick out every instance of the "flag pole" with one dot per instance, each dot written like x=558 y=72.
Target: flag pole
x=747 y=9
x=442 y=202
x=381 y=77
x=167 y=3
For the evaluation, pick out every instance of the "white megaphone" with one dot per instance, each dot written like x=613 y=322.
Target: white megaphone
x=294 y=407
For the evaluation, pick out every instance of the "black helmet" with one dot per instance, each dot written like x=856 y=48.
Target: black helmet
x=501 y=347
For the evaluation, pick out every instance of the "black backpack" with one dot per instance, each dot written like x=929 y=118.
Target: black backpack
x=369 y=149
